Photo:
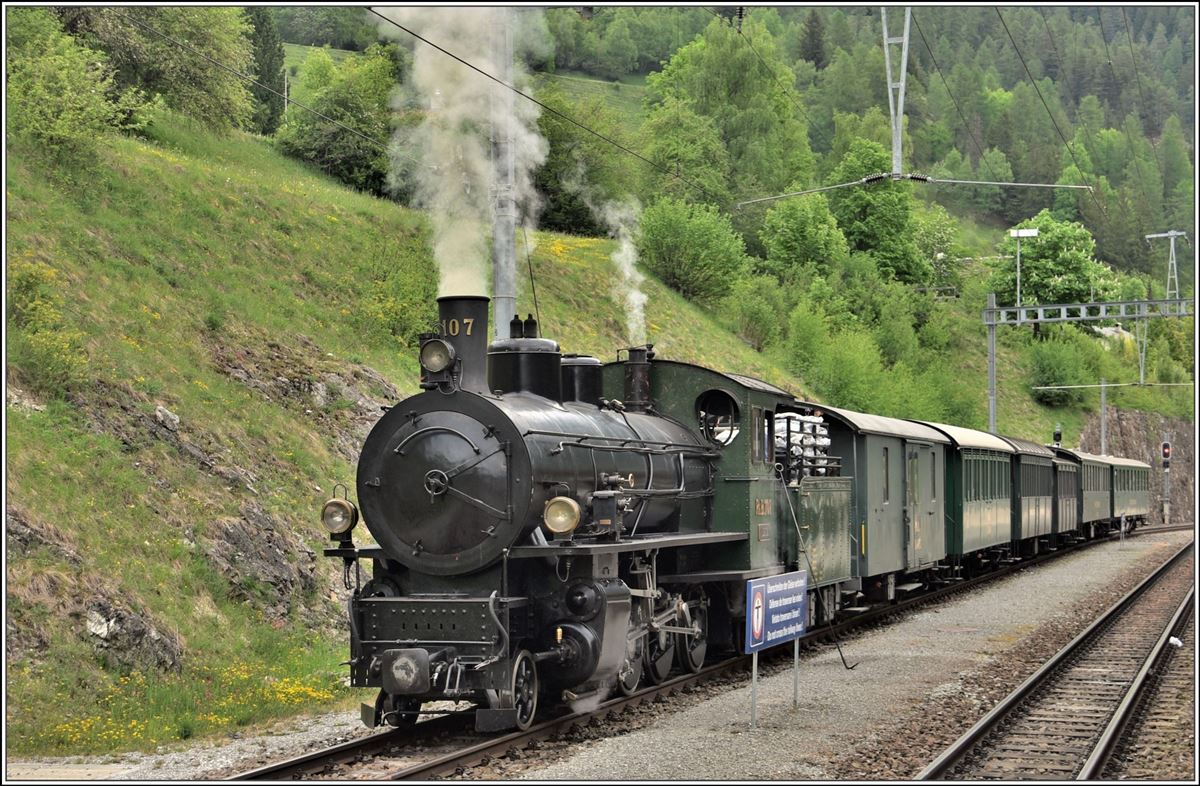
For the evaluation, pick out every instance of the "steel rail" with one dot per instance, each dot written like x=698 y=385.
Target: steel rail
x=964 y=744
x=493 y=748
x=347 y=752
x=1112 y=733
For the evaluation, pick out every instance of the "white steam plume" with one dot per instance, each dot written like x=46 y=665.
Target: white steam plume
x=456 y=175
x=620 y=217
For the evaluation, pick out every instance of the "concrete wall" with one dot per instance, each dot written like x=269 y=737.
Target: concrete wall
x=1139 y=435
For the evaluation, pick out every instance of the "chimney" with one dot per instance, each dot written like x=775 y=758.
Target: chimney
x=464 y=323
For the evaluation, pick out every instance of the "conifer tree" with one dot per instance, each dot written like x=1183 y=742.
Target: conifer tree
x=268 y=66
x=812 y=41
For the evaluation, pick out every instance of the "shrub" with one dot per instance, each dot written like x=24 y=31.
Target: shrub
x=855 y=378
x=808 y=340
x=756 y=309
x=357 y=96
x=691 y=248
x=1057 y=362
x=800 y=233
x=60 y=94
x=42 y=350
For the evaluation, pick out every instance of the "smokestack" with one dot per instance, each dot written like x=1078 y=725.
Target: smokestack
x=464 y=322
x=637 y=378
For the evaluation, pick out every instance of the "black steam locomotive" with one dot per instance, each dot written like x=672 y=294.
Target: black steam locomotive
x=551 y=527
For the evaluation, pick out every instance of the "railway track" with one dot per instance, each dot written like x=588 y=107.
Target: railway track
x=470 y=749
x=1160 y=744
x=1065 y=720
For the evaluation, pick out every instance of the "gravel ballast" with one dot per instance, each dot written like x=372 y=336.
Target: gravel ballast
x=918 y=683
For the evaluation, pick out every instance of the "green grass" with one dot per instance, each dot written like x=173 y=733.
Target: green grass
x=625 y=96
x=179 y=244
x=294 y=54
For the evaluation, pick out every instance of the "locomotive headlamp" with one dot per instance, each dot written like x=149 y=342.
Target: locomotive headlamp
x=561 y=515
x=436 y=355
x=339 y=515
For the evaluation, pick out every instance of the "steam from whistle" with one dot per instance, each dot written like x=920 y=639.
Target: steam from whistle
x=620 y=218
x=446 y=161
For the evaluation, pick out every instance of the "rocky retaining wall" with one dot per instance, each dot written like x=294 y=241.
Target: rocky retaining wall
x=1139 y=435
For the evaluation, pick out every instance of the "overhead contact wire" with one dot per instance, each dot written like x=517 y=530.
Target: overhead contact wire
x=1053 y=122
x=1141 y=181
x=1141 y=95
x=957 y=108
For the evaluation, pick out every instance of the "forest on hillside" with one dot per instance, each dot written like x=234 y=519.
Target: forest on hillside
x=729 y=106
x=1101 y=96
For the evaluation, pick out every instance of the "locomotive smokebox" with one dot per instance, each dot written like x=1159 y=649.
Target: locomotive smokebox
x=464 y=322
x=637 y=378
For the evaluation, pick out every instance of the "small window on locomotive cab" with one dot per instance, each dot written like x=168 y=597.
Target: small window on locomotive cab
x=757 y=449
x=718 y=417
x=768 y=436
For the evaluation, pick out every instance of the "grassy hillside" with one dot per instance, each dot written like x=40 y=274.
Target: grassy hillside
x=624 y=96
x=295 y=54
x=230 y=324
x=259 y=303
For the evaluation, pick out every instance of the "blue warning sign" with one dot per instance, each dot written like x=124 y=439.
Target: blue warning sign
x=776 y=610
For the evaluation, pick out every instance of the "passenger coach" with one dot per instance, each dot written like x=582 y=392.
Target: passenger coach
x=978 y=514
x=898 y=509
x=1032 y=497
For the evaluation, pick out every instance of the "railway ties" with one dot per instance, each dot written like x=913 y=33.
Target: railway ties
x=1161 y=742
x=443 y=745
x=1065 y=720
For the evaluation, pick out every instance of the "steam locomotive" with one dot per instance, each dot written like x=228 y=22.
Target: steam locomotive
x=548 y=527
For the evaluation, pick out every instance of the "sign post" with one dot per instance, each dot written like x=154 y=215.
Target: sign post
x=776 y=612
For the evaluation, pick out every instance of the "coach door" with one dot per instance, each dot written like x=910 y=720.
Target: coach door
x=920 y=515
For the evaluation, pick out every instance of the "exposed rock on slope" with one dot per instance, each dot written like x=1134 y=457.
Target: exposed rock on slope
x=344 y=398
x=267 y=564
x=1139 y=435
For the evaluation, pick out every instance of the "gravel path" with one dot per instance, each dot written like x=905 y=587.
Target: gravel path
x=917 y=684
x=917 y=680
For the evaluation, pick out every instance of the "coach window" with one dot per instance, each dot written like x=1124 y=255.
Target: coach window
x=887 y=471
x=932 y=475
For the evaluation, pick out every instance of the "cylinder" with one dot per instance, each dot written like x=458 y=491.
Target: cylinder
x=464 y=323
x=637 y=378
x=582 y=380
x=525 y=365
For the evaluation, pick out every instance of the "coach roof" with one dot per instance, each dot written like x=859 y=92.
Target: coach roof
x=889 y=427
x=970 y=438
